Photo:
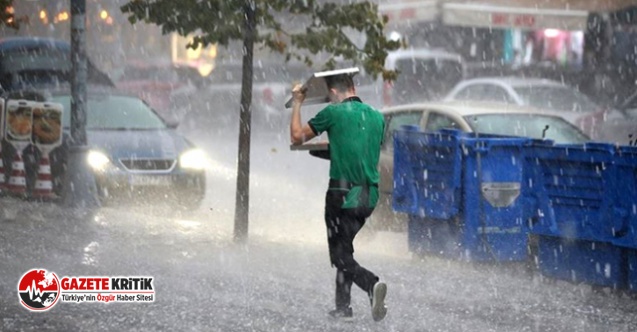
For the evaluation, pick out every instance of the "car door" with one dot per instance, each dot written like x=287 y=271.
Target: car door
x=393 y=122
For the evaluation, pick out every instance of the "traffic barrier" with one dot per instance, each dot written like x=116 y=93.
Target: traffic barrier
x=46 y=136
x=17 y=181
x=3 y=179
x=44 y=183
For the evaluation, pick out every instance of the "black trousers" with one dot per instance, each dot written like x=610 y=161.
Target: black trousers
x=342 y=226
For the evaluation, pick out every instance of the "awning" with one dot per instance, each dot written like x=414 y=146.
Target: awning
x=521 y=14
x=514 y=14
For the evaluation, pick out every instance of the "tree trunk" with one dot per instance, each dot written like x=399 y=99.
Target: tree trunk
x=242 y=200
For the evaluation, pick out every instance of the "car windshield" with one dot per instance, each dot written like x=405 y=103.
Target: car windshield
x=113 y=112
x=556 y=98
x=527 y=125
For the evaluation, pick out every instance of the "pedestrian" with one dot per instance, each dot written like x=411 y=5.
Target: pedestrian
x=355 y=132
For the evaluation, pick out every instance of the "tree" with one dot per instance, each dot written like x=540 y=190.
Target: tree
x=263 y=22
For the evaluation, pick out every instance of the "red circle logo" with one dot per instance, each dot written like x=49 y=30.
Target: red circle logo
x=38 y=290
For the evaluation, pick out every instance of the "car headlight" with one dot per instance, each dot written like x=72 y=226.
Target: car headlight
x=193 y=159
x=98 y=160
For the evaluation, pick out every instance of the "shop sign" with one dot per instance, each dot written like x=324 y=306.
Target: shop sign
x=517 y=20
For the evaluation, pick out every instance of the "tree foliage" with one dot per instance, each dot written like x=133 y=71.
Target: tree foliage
x=221 y=22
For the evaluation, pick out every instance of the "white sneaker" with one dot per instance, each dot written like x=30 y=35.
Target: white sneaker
x=379 y=311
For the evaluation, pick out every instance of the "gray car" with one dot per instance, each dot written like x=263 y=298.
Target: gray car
x=135 y=156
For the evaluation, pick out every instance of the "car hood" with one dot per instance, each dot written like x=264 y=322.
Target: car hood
x=138 y=144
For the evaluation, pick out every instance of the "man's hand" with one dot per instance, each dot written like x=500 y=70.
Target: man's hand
x=298 y=94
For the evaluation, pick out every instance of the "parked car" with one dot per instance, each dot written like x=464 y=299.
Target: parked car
x=424 y=75
x=168 y=88
x=479 y=117
x=134 y=154
x=542 y=94
x=29 y=62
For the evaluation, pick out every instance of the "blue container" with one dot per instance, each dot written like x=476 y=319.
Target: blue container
x=427 y=169
x=495 y=224
x=572 y=190
x=595 y=263
x=404 y=194
x=625 y=208
x=465 y=192
x=631 y=269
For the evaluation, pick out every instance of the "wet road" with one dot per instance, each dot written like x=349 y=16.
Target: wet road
x=281 y=280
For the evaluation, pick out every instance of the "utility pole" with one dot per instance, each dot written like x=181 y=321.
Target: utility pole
x=80 y=191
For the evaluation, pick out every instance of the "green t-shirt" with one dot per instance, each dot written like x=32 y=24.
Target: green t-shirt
x=355 y=132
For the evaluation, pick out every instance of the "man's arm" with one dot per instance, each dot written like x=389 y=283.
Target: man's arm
x=299 y=133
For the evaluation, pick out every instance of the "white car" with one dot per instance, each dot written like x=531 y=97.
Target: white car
x=544 y=94
x=424 y=75
x=480 y=117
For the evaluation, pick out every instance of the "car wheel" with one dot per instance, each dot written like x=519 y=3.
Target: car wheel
x=187 y=195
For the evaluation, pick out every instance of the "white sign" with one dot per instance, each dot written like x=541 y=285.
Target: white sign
x=47 y=125
x=19 y=121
